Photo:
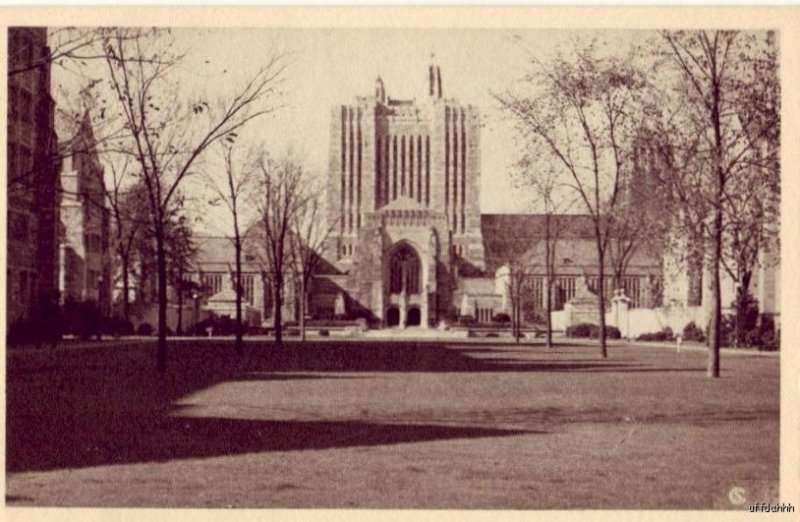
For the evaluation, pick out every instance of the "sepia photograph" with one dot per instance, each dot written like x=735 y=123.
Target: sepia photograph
x=329 y=267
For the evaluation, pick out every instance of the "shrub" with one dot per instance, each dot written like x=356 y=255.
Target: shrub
x=692 y=333
x=588 y=330
x=145 y=329
x=118 y=326
x=663 y=335
x=501 y=318
x=769 y=338
x=580 y=330
x=20 y=331
x=466 y=320
x=82 y=319
x=219 y=325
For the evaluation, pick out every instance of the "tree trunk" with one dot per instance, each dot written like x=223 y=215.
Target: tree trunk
x=161 y=261
x=239 y=343
x=694 y=295
x=549 y=312
x=716 y=254
x=179 y=327
x=548 y=266
x=125 y=288
x=302 y=309
x=278 y=305
x=742 y=301
x=714 y=333
x=601 y=299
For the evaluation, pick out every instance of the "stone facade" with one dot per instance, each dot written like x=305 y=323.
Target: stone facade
x=32 y=174
x=410 y=246
x=84 y=239
x=403 y=180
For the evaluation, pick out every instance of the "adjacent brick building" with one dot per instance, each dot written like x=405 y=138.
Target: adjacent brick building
x=32 y=182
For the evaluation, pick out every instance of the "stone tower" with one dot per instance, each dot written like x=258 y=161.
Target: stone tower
x=403 y=172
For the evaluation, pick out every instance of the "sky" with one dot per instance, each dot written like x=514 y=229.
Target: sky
x=332 y=66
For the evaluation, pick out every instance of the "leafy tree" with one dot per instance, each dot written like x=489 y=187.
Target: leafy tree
x=543 y=180
x=717 y=74
x=584 y=109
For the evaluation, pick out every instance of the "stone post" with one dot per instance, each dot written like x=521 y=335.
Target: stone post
x=622 y=303
x=424 y=320
x=403 y=308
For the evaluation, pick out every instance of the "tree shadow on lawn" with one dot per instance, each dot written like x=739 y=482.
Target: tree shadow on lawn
x=98 y=407
x=165 y=438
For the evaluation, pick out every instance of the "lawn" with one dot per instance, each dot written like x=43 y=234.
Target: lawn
x=467 y=424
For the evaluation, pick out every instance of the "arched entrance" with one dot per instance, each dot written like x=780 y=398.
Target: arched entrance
x=414 y=317
x=406 y=303
x=405 y=272
x=393 y=316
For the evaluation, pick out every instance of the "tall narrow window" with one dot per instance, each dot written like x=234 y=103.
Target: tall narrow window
x=411 y=167
x=387 y=157
x=403 y=165
x=343 y=183
x=351 y=173
x=358 y=172
x=394 y=168
x=447 y=163
x=427 y=170
x=455 y=172
x=419 y=169
x=378 y=171
x=463 y=173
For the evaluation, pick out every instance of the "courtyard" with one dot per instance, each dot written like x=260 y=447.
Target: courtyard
x=472 y=423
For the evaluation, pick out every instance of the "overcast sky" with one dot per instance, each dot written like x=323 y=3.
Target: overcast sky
x=332 y=66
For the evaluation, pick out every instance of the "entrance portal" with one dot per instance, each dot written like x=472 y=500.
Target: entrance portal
x=393 y=316
x=414 y=317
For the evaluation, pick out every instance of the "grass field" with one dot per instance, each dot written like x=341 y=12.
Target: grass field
x=478 y=424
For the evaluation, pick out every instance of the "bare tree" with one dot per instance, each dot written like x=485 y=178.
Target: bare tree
x=518 y=274
x=181 y=253
x=543 y=181
x=68 y=47
x=280 y=199
x=232 y=191
x=129 y=215
x=167 y=134
x=712 y=65
x=308 y=237
x=584 y=114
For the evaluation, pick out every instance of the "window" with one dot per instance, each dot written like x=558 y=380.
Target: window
x=212 y=283
x=247 y=287
x=13 y=162
x=93 y=243
x=485 y=315
x=24 y=159
x=405 y=272
x=13 y=100
x=25 y=105
x=92 y=277
x=23 y=285
x=19 y=227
